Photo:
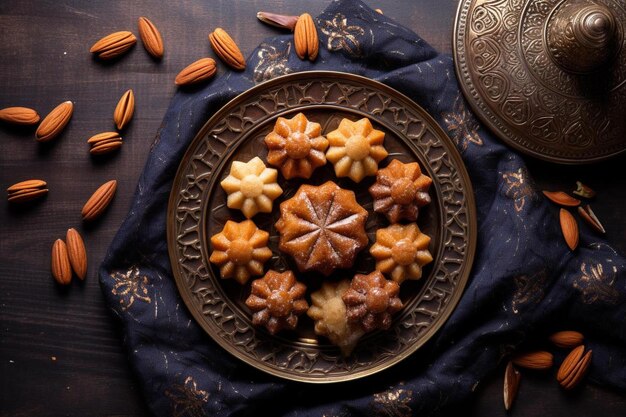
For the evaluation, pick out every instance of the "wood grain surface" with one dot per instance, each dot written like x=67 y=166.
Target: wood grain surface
x=61 y=350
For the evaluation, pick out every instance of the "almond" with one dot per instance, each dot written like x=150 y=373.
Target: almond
x=569 y=228
x=201 y=70
x=561 y=198
x=305 y=37
x=584 y=190
x=104 y=142
x=278 y=20
x=61 y=270
x=574 y=368
x=19 y=115
x=379 y=11
x=76 y=253
x=511 y=385
x=124 y=110
x=99 y=201
x=567 y=339
x=226 y=49
x=150 y=37
x=538 y=360
x=54 y=122
x=113 y=45
x=590 y=217
x=25 y=191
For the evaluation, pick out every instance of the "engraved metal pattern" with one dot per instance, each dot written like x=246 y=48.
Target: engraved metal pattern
x=511 y=78
x=196 y=207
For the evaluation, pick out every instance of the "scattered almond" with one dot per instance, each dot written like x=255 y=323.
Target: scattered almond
x=574 y=368
x=567 y=339
x=151 y=38
x=25 y=191
x=104 y=143
x=226 y=49
x=278 y=20
x=201 y=70
x=54 y=123
x=569 y=228
x=590 y=217
x=61 y=270
x=124 y=110
x=584 y=190
x=19 y=115
x=381 y=12
x=511 y=385
x=305 y=37
x=99 y=201
x=113 y=45
x=561 y=198
x=538 y=360
x=77 y=253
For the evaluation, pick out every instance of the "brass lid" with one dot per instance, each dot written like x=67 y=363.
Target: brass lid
x=547 y=76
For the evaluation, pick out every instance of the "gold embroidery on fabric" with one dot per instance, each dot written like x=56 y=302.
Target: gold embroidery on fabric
x=530 y=289
x=342 y=36
x=187 y=400
x=394 y=402
x=594 y=285
x=130 y=286
x=272 y=62
x=462 y=125
x=518 y=187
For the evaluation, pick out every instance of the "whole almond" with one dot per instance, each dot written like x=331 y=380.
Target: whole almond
x=511 y=385
x=124 y=110
x=77 y=253
x=561 y=198
x=226 y=49
x=19 y=115
x=305 y=37
x=104 y=142
x=567 y=339
x=25 y=191
x=569 y=228
x=55 y=122
x=99 y=201
x=150 y=37
x=201 y=70
x=538 y=360
x=574 y=368
x=114 y=45
x=61 y=270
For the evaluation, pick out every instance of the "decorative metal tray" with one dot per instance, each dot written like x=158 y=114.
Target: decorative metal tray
x=197 y=210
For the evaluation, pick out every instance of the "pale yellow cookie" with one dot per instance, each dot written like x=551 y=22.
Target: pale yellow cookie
x=251 y=187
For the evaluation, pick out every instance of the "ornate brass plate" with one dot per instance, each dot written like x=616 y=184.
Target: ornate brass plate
x=547 y=76
x=197 y=210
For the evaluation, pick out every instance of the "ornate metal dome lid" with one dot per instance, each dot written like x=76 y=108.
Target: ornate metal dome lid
x=547 y=76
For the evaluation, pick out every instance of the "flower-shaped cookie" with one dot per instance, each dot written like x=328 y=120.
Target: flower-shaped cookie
x=240 y=250
x=251 y=187
x=356 y=149
x=401 y=251
x=399 y=190
x=277 y=300
x=371 y=300
x=296 y=146
x=329 y=314
x=322 y=227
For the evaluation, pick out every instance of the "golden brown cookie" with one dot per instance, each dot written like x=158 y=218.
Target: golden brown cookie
x=400 y=189
x=356 y=148
x=371 y=300
x=240 y=250
x=296 y=146
x=251 y=187
x=328 y=311
x=277 y=300
x=401 y=251
x=322 y=227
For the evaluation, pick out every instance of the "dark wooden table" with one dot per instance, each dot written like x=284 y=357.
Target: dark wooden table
x=60 y=350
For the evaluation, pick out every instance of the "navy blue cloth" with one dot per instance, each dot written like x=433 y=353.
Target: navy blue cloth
x=525 y=281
